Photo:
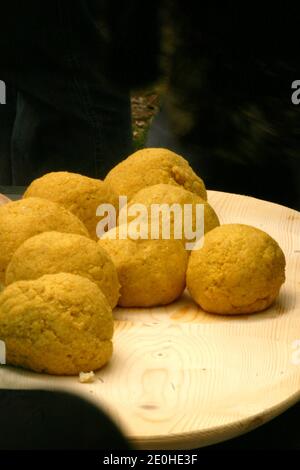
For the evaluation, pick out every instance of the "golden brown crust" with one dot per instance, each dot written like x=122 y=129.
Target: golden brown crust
x=58 y=324
x=55 y=252
x=151 y=166
x=239 y=269
x=77 y=193
x=20 y=220
x=151 y=272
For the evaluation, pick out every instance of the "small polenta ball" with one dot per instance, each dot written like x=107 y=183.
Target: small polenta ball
x=169 y=194
x=56 y=252
x=151 y=272
x=79 y=194
x=151 y=166
x=58 y=324
x=22 y=219
x=239 y=269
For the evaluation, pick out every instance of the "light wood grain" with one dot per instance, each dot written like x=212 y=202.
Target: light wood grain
x=4 y=200
x=181 y=378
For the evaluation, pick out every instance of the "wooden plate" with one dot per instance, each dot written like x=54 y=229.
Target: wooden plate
x=181 y=378
x=4 y=199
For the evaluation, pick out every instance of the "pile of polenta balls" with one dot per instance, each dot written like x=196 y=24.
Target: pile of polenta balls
x=61 y=283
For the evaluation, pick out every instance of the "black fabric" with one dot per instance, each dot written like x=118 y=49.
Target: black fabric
x=36 y=419
x=70 y=114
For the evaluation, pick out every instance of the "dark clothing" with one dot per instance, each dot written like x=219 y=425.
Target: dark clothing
x=228 y=104
x=52 y=420
x=68 y=113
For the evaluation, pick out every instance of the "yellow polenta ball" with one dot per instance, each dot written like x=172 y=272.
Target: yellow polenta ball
x=77 y=193
x=151 y=166
x=184 y=216
x=239 y=269
x=151 y=272
x=20 y=220
x=58 y=324
x=55 y=252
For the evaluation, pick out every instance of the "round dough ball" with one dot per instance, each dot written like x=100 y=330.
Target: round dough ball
x=58 y=324
x=56 y=252
x=20 y=220
x=151 y=166
x=239 y=269
x=151 y=272
x=79 y=194
x=170 y=194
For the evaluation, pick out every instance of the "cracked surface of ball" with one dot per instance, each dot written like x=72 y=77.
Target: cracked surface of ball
x=151 y=166
x=79 y=194
x=20 y=220
x=151 y=272
x=58 y=324
x=239 y=269
x=55 y=252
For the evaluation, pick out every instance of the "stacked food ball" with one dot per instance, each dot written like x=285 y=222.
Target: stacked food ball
x=78 y=194
x=154 y=166
x=61 y=282
x=151 y=272
x=61 y=286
